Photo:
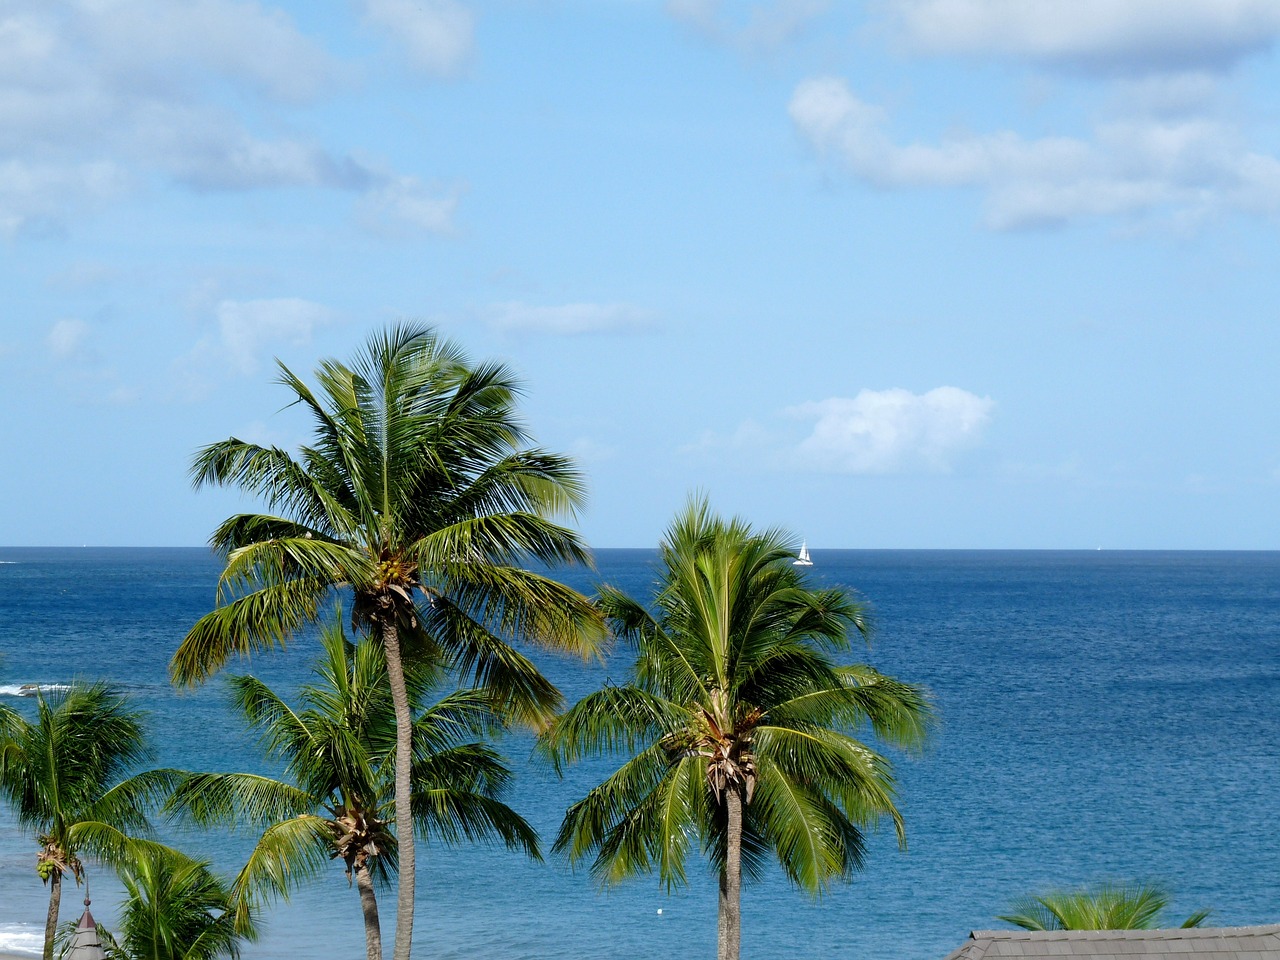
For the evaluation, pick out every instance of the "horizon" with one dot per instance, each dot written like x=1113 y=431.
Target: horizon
x=654 y=547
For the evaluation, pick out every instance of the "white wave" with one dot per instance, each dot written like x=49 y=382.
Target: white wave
x=29 y=689
x=21 y=938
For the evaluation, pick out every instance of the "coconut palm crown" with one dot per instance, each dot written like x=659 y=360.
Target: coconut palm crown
x=420 y=495
x=335 y=803
x=738 y=725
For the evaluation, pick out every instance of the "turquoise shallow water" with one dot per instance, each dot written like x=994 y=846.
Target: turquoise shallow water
x=1104 y=715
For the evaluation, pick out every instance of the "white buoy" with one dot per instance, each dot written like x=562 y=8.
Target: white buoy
x=659 y=911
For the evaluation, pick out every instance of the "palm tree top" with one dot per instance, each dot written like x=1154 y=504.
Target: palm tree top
x=1106 y=906
x=735 y=688
x=418 y=490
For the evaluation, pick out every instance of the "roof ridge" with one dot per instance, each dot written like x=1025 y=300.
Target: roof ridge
x=1160 y=933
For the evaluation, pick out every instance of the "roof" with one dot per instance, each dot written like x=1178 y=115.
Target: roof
x=85 y=944
x=1196 y=943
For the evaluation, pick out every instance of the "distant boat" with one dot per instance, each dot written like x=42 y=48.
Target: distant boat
x=802 y=559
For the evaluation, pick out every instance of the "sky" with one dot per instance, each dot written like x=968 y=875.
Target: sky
x=886 y=274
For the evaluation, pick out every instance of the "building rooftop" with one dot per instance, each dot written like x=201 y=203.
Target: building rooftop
x=1196 y=943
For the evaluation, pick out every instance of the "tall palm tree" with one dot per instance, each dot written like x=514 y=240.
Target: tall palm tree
x=339 y=755
x=1135 y=906
x=63 y=775
x=420 y=495
x=738 y=724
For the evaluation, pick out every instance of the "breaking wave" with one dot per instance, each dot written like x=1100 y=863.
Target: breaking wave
x=29 y=690
x=21 y=938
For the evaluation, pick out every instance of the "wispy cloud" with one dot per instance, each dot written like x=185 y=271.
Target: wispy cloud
x=66 y=338
x=749 y=28
x=250 y=329
x=891 y=431
x=1108 y=36
x=570 y=319
x=405 y=204
x=436 y=35
x=1184 y=165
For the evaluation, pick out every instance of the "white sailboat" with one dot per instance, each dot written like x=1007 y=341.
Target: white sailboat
x=802 y=559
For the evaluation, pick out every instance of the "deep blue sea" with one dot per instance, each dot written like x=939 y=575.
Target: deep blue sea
x=1104 y=716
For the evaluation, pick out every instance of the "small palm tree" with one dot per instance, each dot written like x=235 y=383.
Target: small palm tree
x=177 y=909
x=338 y=799
x=1135 y=906
x=420 y=495
x=738 y=723
x=63 y=774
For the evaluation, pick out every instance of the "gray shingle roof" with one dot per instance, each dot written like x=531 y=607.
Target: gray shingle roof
x=1198 y=943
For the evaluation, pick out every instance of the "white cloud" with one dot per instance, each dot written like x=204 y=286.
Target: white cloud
x=435 y=34
x=765 y=26
x=569 y=319
x=1114 y=36
x=1178 y=165
x=892 y=431
x=90 y=89
x=66 y=338
x=248 y=329
x=208 y=155
x=157 y=44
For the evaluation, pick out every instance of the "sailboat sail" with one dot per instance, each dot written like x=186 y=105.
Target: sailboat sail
x=802 y=560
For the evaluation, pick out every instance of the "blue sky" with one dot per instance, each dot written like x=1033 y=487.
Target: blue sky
x=901 y=273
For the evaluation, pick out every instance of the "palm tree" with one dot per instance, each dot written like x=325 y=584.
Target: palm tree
x=420 y=496
x=1136 y=906
x=62 y=774
x=177 y=909
x=339 y=754
x=737 y=723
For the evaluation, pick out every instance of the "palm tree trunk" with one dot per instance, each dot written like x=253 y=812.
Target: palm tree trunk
x=730 y=932
x=369 y=904
x=404 y=812
x=55 y=903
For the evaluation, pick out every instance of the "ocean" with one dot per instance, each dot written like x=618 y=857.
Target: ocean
x=1104 y=715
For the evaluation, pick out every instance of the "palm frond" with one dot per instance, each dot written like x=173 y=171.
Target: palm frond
x=485 y=660
x=609 y=720
x=289 y=854
x=236 y=800
x=451 y=816
x=256 y=622
x=513 y=602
